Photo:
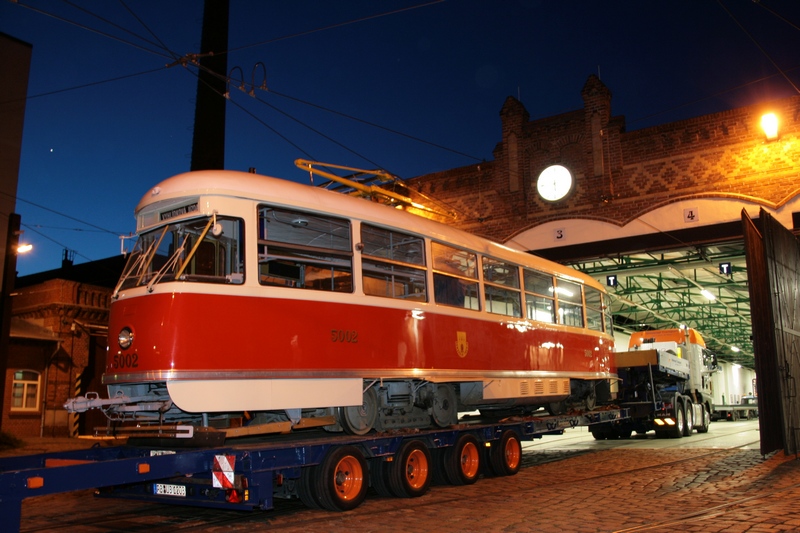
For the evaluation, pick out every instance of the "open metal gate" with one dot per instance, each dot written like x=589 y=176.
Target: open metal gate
x=773 y=271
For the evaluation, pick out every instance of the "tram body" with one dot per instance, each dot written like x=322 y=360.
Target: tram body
x=256 y=295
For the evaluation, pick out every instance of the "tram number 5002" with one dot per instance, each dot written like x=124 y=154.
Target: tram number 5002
x=344 y=335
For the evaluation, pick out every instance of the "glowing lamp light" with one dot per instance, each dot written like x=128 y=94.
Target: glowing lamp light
x=24 y=248
x=710 y=297
x=769 y=123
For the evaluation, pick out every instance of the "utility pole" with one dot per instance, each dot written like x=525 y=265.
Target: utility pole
x=208 y=143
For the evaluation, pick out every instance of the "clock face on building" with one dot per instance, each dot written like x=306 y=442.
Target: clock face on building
x=554 y=183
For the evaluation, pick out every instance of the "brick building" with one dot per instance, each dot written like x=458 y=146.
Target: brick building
x=57 y=346
x=639 y=184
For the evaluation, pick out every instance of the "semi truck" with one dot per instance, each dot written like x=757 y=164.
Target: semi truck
x=664 y=383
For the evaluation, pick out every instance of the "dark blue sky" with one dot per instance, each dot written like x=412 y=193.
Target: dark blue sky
x=437 y=72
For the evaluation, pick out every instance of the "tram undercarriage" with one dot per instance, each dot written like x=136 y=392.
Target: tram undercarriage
x=386 y=405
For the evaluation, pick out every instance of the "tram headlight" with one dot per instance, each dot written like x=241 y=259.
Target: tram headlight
x=125 y=338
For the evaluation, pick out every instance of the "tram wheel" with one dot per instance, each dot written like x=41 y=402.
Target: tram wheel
x=462 y=461
x=411 y=471
x=359 y=419
x=341 y=479
x=444 y=411
x=505 y=456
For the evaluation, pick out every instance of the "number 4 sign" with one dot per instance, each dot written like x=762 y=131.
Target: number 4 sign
x=691 y=215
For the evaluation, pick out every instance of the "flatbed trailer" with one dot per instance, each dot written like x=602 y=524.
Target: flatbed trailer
x=735 y=412
x=327 y=471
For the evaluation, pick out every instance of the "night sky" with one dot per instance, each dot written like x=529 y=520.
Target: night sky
x=409 y=86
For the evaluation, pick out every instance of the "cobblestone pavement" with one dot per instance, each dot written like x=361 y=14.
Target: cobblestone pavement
x=691 y=490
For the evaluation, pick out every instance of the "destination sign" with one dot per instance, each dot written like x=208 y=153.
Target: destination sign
x=178 y=211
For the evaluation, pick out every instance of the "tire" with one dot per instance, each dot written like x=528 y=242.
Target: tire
x=437 y=460
x=341 y=479
x=462 y=461
x=705 y=423
x=411 y=472
x=378 y=477
x=676 y=431
x=306 y=488
x=505 y=456
x=688 y=418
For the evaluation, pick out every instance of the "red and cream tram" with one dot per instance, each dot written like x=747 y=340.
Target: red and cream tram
x=253 y=296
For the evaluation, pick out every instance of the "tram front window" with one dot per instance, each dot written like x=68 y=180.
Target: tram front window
x=205 y=249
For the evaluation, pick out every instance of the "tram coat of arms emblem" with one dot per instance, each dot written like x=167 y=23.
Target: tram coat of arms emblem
x=462 y=346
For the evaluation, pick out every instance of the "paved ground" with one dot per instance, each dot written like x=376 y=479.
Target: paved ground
x=625 y=489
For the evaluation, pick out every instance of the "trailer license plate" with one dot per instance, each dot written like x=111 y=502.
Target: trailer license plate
x=163 y=489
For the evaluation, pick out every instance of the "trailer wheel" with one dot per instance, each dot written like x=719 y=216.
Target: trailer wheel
x=341 y=479
x=705 y=423
x=505 y=456
x=378 y=477
x=306 y=489
x=462 y=461
x=437 y=460
x=411 y=471
x=688 y=416
x=359 y=419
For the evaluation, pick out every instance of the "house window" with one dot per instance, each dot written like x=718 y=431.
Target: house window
x=25 y=391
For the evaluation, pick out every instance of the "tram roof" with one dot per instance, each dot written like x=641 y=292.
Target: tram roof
x=278 y=191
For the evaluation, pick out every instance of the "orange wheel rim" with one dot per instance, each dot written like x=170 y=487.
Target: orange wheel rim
x=470 y=460
x=348 y=478
x=416 y=469
x=513 y=453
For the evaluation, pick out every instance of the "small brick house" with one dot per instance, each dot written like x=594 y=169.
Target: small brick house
x=57 y=347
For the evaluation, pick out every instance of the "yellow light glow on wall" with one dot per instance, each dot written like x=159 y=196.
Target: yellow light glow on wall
x=769 y=123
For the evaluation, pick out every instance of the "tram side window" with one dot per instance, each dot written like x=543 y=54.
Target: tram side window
x=594 y=309
x=455 y=277
x=304 y=250
x=570 y=303
x=539 y=297
x=393 y=264
x=501 y=287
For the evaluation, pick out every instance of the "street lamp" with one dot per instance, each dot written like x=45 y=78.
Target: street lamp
x=769 y=123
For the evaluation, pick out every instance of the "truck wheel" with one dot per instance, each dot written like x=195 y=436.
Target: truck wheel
x=705 y=423
x=462 y=461
x=411 y=471
x=676 y=431
x=341 y=479
x=688 y=418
